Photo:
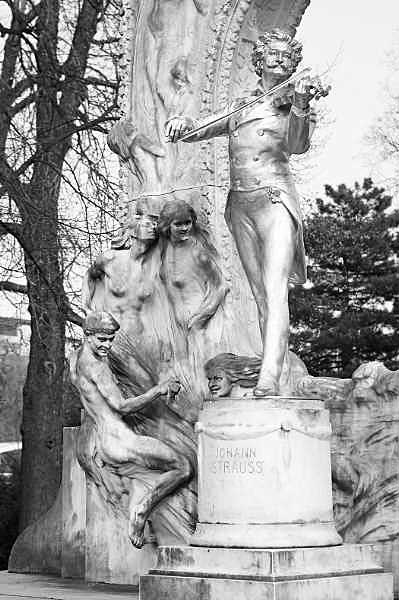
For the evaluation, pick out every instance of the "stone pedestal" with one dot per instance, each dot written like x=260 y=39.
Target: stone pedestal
x=264 y=474
x=335 y=573
x=265 y=528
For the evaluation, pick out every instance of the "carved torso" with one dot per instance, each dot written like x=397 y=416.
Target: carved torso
x=126 y=285
x=185 y=277
x=258 y=147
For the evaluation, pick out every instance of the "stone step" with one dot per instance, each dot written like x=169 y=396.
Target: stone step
x=266 y=564
x=346 y=572
x=48 y=587
x=375 y=586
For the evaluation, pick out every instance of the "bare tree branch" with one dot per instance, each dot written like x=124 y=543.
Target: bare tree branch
x=10 y=229
x=10 y=286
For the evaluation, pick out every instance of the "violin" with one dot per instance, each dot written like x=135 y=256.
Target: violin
x=312 y=87
x=306 y=86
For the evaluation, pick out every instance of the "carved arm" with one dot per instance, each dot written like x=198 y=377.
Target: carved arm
x=176 y=127
x=215 y=292
x=130 y=405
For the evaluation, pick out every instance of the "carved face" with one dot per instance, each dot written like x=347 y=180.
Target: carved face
x=145 y=227
x=100 y=343
x=180 y=229
x=278 y=59
x=219 y=384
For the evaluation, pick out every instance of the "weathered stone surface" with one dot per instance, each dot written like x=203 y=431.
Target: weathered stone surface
x=110 y=555
x=73 y=546
x=264 y=474
x=38 y=548
x=266 y=564
x=365 y=460
x=338 y=573
x=347 y=587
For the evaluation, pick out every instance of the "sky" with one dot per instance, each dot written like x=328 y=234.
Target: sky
x=352 y=39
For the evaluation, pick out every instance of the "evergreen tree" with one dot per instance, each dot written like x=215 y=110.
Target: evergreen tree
x=349 y=311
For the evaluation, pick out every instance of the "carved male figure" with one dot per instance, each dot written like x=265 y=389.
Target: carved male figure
x=262 y=210
x=116 y=445
x=119 y=279
x=123 y=281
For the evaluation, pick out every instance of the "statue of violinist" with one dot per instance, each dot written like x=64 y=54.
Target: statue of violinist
x=262 y=211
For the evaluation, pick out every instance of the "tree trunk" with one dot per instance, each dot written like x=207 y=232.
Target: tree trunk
x=43 y=390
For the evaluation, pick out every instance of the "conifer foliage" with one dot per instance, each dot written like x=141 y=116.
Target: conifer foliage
x=349 y=311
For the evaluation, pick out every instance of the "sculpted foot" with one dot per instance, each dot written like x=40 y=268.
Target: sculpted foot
x=136 y=527
x=266 y=386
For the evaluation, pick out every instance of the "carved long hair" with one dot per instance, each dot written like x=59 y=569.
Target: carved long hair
x=281 y=35
x=179 y=209
x=120 y=138
x=243 y=370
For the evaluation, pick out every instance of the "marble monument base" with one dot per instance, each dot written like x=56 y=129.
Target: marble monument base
x=264 y=474
x=346 y=572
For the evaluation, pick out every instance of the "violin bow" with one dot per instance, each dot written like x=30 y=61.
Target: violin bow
x=276 y=88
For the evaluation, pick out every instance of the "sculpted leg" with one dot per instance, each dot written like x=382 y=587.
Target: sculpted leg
x=247 y=243
x=176 y=471
x=265 y=236
x=278 y=233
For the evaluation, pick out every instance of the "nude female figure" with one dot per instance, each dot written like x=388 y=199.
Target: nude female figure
x=188 y=267
x=115 y=444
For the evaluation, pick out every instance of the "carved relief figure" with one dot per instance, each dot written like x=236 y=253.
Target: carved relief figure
x=124 y=282
x=135 y=149
x=189 y=269
x=115 y=446
x=232 y=375
x=182 y=95
x=263 y=210
x=117 y=281
x=364 y=458
x=194 y=285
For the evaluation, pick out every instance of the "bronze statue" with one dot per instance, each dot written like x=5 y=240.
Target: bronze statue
x=116 y=446
x=263 y=211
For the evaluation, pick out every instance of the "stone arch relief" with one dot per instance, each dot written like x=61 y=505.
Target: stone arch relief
x=193 y=57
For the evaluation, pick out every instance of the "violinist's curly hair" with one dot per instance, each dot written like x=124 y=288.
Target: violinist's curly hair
x=264 y=40
x=243 y=370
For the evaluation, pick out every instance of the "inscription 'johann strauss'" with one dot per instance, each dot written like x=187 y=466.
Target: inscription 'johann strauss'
x=237 y=460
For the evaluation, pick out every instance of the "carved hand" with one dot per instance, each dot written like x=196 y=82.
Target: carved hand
x=177 y=126
x=307 y=89
x=170 y=387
